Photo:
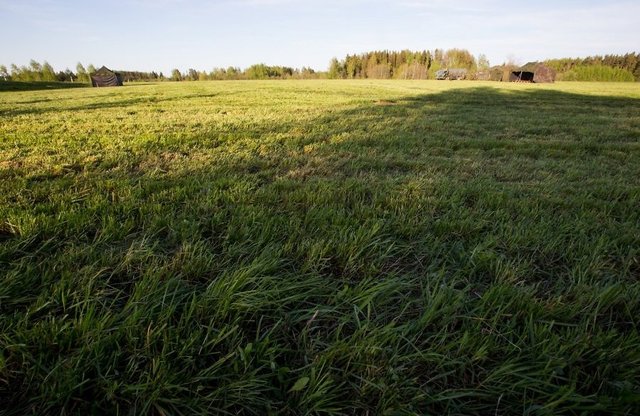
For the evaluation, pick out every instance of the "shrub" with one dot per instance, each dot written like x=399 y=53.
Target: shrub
x=597 y=73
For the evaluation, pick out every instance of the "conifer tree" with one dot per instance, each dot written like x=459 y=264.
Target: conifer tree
x=82 y=73
x=176 y=75
x=335 y=69
x=48 y=74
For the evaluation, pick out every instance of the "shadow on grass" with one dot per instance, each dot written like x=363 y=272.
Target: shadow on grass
x=102 y=103
x=477 y=164
x=35 y=86
x=468 y=252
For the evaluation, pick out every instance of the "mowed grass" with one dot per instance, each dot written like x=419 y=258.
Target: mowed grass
x=321 y=247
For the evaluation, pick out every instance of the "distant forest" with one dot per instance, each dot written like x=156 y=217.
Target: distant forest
x=36 y=71
x=424 y=65
x=374 y=65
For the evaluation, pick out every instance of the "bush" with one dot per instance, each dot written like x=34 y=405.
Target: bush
x=597 y=73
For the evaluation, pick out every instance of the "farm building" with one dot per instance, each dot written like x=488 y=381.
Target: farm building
x=483 y=76
x=533 y=72
x=104 y=77
x=521 y=76
x=451 y=74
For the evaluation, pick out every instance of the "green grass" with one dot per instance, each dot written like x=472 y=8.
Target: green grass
x=321 y=247
x=38 y=85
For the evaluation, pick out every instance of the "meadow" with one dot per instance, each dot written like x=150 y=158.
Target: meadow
x=320 y=247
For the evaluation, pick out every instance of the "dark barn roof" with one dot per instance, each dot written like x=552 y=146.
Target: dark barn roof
x=104 y=77
x=521 y=76
x=533 y=72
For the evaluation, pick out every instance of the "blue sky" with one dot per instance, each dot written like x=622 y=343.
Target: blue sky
x=162 y=34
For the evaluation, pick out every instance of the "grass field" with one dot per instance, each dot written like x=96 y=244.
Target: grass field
x=320 y=247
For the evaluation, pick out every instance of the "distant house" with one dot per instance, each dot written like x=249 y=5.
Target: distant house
x=533 y=72
x=104 y=77
x=483 y=75
x=451 y=74
x=521 y=76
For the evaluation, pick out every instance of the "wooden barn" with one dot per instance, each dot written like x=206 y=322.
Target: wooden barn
x=451 y=74
x=104 y=77
x=533 y=72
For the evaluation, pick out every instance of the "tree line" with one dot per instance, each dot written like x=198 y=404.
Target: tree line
x=257 y=71
x=35 y=72
x=424 y=65
x=383 y=64
x=598 y=68
x=405 y=64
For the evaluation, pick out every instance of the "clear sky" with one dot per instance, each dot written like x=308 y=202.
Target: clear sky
x=162 y=34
